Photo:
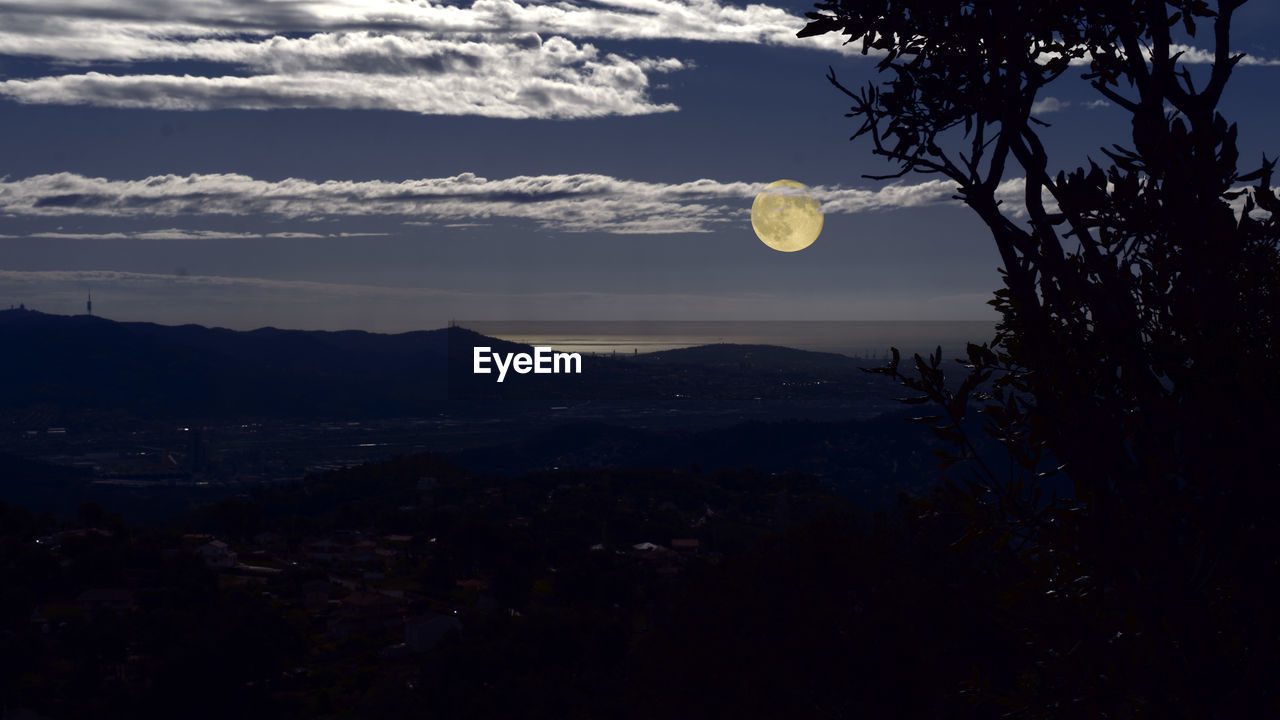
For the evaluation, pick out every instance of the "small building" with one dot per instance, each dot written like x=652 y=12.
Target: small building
x=362 y=552
x=687 y=546
x=216 y=554
x=324 y=550
x=364 y=613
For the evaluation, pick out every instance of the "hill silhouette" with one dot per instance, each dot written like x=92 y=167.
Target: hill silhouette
x=170 y=371
x=76 y=363
x=761 y=357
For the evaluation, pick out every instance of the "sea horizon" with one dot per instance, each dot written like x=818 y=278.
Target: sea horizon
x=854 y=338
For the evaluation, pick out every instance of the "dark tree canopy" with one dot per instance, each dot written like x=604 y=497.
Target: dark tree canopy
x=1137 y=354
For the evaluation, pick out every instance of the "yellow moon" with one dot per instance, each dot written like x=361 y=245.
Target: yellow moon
x=785 y=217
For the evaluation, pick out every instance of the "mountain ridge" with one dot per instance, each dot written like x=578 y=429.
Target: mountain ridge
x=82 y=362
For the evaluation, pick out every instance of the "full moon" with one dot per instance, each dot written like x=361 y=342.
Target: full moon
x=785 y=217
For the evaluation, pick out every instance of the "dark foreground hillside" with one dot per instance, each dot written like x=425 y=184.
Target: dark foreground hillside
x=413 y=587
x=676 y=542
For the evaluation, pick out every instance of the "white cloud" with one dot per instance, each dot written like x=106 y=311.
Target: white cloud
x=1048 y=105
x=251 y=302
x=108 y=277
x=1192 y=56
x=211 y=29
x=486 y=59
x=1199 y=56
x=179 y=234
x=571 y=203
x=517 y=79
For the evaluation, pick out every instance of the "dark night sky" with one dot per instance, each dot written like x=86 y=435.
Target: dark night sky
x=389 y=165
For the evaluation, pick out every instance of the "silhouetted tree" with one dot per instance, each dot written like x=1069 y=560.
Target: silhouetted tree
x=1137 y=349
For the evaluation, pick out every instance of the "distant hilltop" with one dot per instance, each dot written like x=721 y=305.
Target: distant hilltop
x=84 y=361
x=186 y=372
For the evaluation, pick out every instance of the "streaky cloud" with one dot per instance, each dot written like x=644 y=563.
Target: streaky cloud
x=555 y=79
x=247 y=302
x=488 y=59
x=494 y=58
x=181 y=234
x=582 y=202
